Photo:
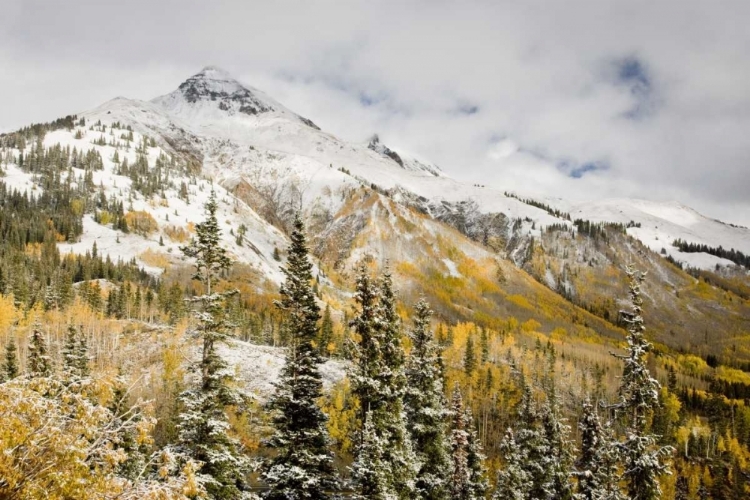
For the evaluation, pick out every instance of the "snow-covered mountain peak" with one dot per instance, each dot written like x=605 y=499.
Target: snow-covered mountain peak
x=212 y=95
x=384 y=150
x=217 y=86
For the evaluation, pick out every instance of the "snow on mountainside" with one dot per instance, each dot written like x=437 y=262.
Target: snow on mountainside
x=173 y=214
x=664 y=222
x=243 y=137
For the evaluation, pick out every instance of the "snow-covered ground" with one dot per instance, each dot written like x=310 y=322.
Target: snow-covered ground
x=664 y=222
x=259 y=367
x=169 y=212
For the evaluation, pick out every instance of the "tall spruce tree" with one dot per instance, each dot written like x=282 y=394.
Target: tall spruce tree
x=369 y=473
x=11 y=360
x=390 y=420
x=559 y=458
x=475 y=459
x=368 y=364
x=513 y=480
x=203 y=424
x=38 y=361
x=467 y=479
x=643 y=461
x=596 y=467
x=470 y=357
x=425 y=407
x=302 y=467
x=538 y=453
x=460 y=476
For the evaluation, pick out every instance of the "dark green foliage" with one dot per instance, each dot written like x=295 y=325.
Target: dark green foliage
x=538 y=204
x=643 y=461
x=467 y=481
x=303 y=463
x=596 y=467
x=470 y=359
x=734 y=255
x=426 y=408
x=485 y=344
x=18 y=138
x=39 y=364
x=203 y=422
x=390 y=419
x=11 y=360
x=598 y=230
x=368 y=358
x=326 y=332
x=75 y=355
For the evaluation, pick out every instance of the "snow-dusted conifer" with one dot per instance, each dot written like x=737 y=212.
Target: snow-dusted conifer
x=390 y=420
x=513 y=480
x=368 y=363
x=460 y=477
x=538 y=455
x=643 y=461
x=475 y=460
x=303 y=465
x=425 y=407
x=533 y=445
x=39 y=363
x=75 y=355
x=202 y=424
x=559 y=458
x=369 y=473
x=596 y=467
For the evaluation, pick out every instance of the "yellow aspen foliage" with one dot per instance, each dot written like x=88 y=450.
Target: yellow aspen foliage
x=48 y=455
x=342 y=409
x=531 y=325
x=141 y=222
x=8 y=313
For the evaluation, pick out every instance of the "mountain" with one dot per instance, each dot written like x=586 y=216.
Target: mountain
x=477 y=252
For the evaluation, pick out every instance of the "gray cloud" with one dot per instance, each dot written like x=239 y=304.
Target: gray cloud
x=573 y=99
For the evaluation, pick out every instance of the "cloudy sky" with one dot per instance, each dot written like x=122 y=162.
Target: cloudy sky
x=573 y=99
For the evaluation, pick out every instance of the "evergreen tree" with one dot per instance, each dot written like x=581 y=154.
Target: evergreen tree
x=203 y=424
x=368 y=365
x=425 y=407
x=470 y=360
x=390 y=420
x=596 y=467
x=39 y=363
x=513 y=480
x=643 y=462
x=136 y=450
x=467 y=480
x=475 y=460
x=369 y=473
x=303 y=465
x=75 y=355
x=539 y=455
x=460 y=477
x=560 y=456
x=11 y=360
x=485 y=344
